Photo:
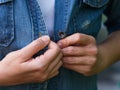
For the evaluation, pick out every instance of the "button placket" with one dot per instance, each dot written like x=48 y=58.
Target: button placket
x=39 y=29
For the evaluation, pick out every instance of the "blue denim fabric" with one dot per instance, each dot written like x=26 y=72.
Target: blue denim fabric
x=21 y=22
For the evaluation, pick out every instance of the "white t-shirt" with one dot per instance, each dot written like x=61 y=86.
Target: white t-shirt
x=47 y=8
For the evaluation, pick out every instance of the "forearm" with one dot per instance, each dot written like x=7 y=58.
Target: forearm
x=109 y=52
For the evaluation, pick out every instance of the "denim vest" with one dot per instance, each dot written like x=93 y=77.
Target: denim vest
x=21 y=22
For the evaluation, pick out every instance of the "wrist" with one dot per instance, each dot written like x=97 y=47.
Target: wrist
x=103 y=57
x=101 y=62
x=106 y=56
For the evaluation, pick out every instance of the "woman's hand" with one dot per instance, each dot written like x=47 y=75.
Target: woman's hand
x=19 y=67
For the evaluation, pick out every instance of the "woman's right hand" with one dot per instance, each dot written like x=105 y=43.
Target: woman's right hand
x=18 y=67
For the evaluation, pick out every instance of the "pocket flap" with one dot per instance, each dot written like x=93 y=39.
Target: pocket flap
x=4 y=1
x=96 y=3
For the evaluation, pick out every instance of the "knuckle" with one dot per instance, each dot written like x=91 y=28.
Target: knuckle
x=93 y=50
x=92 y=39
x=92 y=60
x=77 y=37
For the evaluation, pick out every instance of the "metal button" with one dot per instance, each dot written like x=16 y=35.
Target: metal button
x=62 y=34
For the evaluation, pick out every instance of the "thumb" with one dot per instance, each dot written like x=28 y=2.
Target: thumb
x=34 y=47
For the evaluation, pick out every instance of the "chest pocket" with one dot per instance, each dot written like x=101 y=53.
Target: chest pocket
x=6 y=22
x=96 y=3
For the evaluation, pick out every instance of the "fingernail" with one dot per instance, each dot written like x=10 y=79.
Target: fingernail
x=46 y=38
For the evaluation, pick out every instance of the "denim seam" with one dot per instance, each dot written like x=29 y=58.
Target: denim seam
x=67 y=3
x=4 y=1
x=31 y=4
x=10 y=19
x=29 y=12
x=37 y=18
x=96 y=3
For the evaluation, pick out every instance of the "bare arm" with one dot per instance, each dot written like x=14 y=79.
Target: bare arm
x=109 y=50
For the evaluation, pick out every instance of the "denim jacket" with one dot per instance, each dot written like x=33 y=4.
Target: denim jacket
x=21 y=22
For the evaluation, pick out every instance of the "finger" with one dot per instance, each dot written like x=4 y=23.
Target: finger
x=78 y=38
x=34 y=47
x=53 y=75
x=74 y=51
x=43 y=61
x=48 y=57
x=85 y=60
x=35 y=65
x=54 y=63
x=55 y=69
x=51 y=53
